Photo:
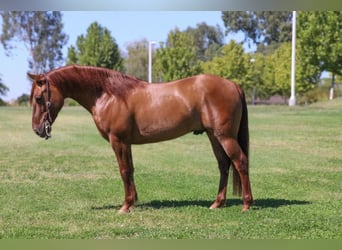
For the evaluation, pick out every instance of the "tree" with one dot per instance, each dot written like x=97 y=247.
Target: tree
x=3 y=91
x=23 y=100
x=320 y=38
x=183 y=51
x=177 y=58
x=208 y=39
x=3 y=88
x=253 y=80
x=97 y=48
x=277 y=72
x=277 y=79
x=41 y=33
x=230 y=64
x=212 y=51
x=260 y=27
x=136 y=62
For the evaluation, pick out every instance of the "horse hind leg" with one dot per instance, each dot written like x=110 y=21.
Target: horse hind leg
x=223 y=165
x=240 y=162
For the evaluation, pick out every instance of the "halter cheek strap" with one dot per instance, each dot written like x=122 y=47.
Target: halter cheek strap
x=48 y=103
x=48 y=119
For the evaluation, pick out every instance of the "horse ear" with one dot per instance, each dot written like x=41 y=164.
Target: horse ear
x=33 y=77
x=38 y=78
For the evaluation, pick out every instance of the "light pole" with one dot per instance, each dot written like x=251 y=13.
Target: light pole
x=150 y=60
x=254 y=87
x=292 y=100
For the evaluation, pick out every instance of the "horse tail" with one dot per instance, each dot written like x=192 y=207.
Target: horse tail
x=243 y=140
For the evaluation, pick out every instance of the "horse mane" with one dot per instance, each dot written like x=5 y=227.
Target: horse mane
x=95 y=79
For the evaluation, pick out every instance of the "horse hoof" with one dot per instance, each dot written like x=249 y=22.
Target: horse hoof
x=217 y=204
x=245 y=208
x=125 y=210
x=213 y=206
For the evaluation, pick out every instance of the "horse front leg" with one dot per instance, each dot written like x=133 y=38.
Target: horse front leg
x=124 y=157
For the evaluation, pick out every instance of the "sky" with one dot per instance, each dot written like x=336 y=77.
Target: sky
x=125 y=27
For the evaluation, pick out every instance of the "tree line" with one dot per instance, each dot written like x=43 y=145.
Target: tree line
x=201 y=49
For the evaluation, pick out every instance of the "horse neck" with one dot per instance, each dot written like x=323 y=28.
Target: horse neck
x=80 y=90
x=87 y=85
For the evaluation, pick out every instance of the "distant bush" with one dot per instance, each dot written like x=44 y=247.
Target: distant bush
x=318 y=94
x=23 y=100
x=2 y=102
x=314 y=95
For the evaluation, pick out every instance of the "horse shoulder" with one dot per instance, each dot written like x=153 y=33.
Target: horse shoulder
x=111 y=116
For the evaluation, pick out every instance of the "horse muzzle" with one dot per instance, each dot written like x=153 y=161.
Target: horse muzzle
x=44 y=131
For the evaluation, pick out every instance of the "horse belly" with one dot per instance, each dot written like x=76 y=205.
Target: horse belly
x=165 y=126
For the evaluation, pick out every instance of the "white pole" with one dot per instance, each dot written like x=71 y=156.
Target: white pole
x=150 y=60
x=292 y=100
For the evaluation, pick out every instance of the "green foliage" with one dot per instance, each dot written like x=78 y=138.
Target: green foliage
x=70 y=102
x=307 y=75
x=185 y=50
x=279 y=64
x=261 y=27
x=3 y=91
x=212 y=51
x=277 y=75
x=3 y=88
x=72 y=55
x=23 y=100
x=58 y=190
x=177 y=58
x=271 y=31
x=314 y=95
x=2 y=102
x=320 y=37
x=41 y=33
x=96 y=48
x=265 y=74
x=230 y=64
x=136 y=62
x=320 y=92
x=254 y=78
x=208 y=39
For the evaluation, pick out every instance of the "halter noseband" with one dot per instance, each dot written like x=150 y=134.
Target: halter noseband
x=47 y=119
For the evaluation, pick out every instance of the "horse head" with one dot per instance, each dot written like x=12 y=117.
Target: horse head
x=46 y=101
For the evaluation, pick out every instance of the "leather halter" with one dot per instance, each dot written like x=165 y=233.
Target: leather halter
x=47 y=119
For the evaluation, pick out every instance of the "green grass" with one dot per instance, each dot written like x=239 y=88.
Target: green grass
x=69 y=186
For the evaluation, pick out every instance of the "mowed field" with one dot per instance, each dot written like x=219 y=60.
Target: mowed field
x=69 y=186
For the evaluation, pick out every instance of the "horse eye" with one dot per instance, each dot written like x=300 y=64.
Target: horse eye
x=39 y=99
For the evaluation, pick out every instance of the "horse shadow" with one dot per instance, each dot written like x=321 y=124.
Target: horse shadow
x=162 y=204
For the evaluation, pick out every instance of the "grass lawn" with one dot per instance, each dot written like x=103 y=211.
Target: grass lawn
x=69 y=186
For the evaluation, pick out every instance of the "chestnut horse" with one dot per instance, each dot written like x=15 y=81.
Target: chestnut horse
x=127 y=111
